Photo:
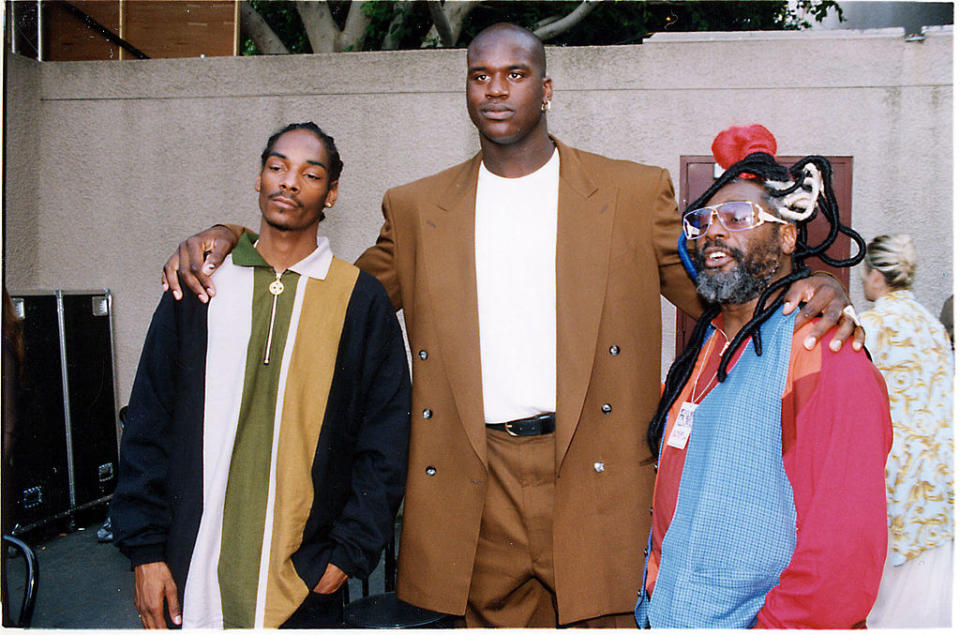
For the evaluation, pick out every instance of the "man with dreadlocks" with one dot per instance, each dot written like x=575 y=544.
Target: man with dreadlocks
x=769 y=503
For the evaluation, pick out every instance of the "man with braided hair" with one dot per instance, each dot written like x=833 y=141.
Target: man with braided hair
x=264 y=452
x=769 y=503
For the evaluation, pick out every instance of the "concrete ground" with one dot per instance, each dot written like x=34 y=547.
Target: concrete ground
x=87 y=584
x=82 y=583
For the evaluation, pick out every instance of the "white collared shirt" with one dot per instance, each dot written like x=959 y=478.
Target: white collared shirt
x=317 y=263
x=516 y=257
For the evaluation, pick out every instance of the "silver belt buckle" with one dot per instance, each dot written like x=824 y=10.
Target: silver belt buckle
x=507 y=427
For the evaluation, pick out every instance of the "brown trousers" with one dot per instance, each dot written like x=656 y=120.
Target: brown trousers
x=513 y=582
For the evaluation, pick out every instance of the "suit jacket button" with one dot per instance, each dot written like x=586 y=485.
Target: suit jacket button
x=422 y=354
x=427 y=413
x=599 y=467
x=614 y=350
x=606 y=408
x=431 y=470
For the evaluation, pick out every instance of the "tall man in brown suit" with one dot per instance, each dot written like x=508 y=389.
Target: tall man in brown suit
x=515 y=516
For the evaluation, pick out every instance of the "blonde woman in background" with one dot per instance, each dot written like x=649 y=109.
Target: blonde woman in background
x=912 y=351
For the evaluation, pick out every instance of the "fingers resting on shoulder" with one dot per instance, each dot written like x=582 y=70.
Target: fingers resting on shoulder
x=825 y=297
x=195 y=260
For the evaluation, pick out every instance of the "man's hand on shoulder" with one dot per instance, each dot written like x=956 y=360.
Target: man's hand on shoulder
x=196 y=259
x=153 y=584
x=332 y=579
x=826 y=297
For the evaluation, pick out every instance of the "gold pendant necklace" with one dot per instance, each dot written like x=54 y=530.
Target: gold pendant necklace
x=276 y=288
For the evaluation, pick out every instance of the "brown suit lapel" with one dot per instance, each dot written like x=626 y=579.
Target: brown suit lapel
x=447 y=228
x=584 y=225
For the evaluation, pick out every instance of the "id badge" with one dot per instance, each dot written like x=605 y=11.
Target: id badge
x=682 y=426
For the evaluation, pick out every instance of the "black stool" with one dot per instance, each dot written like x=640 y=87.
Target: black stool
x=384 y=610
x=30 y=584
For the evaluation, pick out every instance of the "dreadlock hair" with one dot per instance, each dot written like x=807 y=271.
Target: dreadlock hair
x=780 y=183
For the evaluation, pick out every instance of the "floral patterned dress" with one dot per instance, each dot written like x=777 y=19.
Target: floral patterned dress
x=911 y=349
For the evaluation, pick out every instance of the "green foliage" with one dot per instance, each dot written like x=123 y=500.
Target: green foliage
x=247 y=47
x=611 y=22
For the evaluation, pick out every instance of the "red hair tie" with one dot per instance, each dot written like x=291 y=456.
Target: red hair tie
x=738 y=142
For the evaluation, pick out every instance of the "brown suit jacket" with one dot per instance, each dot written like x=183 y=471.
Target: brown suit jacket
x=616 y=253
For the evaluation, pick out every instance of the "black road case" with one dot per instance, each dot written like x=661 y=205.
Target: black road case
x=65 y=458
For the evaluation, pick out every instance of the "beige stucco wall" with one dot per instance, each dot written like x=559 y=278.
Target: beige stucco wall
x=109 y=164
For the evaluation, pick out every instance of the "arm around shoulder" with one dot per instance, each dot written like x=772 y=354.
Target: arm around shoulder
x=380 y=260
x=675 y=284
x=197 y=258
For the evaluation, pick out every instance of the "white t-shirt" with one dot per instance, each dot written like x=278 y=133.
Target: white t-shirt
x=516 y=256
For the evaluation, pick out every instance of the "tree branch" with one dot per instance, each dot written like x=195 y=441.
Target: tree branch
x=322 y=30
x=354 y=29
x=566 y=23
x=391 y=41
x=550 y=19
x=454 y=13
x=256 y=28
x=441 y=23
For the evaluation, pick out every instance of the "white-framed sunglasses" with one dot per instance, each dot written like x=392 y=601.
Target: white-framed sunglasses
x=735 y=216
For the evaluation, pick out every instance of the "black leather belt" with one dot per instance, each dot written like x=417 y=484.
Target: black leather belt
x=533 y=426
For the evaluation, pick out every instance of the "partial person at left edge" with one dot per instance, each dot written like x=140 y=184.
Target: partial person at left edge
x=264 y=453
x=13 y=354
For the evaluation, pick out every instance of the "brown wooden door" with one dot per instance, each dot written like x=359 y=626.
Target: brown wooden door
x=696 y=175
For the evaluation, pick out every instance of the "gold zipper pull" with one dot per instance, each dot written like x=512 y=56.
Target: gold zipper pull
x=276 y=288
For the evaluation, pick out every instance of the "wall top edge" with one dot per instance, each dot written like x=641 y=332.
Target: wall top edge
x=890 y=61
x=814 y=34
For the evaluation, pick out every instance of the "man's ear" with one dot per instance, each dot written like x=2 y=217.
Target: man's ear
x=256 y=185
x=788 y=238
x=547 y=88
x=332 y=194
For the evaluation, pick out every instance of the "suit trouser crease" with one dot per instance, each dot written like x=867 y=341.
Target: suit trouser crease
x=512 y=582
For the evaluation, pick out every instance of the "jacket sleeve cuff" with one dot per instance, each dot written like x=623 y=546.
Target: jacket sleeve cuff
x=310 y=562
x=145 y=554
x=340 y=557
